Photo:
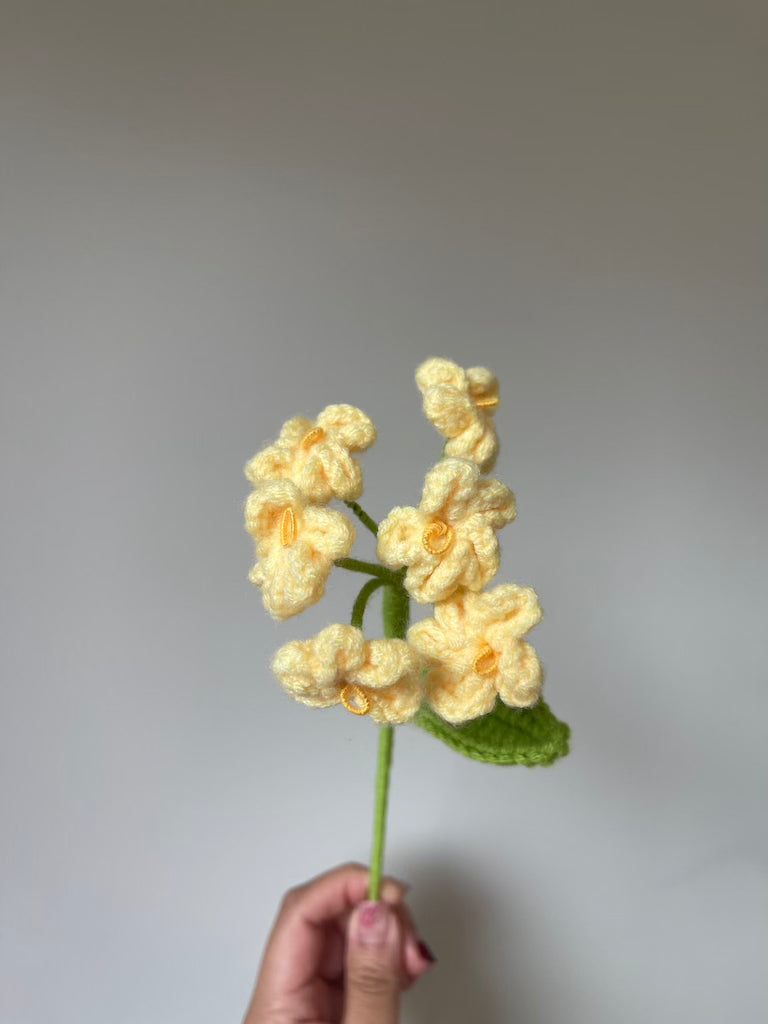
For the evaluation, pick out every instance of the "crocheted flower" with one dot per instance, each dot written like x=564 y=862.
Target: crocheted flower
x=449 y=540
x=475 y=647
x=315 y=454
x=461 y=404
x=296 y=544
x=379 y=678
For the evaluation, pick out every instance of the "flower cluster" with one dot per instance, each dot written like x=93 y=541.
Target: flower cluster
x=297 y=538
x=444 y=552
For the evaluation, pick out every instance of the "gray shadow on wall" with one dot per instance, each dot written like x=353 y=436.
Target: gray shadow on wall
x=463 y=920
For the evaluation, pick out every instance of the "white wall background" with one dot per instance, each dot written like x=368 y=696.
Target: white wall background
x=216 y=215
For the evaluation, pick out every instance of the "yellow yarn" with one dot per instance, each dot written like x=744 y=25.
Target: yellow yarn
x=338 y=666
x=296 y=544
x=449 y=540
x=475 y=650
x=315 y=454
x=460 y=404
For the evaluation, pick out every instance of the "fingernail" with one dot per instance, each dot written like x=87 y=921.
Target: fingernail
x=426 y=952
x=372 y=924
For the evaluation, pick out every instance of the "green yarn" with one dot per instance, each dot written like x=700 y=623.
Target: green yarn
x=527 y=736
x=381 y=799
x=372 y=568
x=361 y=601
x=395 y=613
x=365 y=519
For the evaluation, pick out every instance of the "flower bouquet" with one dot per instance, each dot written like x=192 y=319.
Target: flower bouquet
x=467 y=675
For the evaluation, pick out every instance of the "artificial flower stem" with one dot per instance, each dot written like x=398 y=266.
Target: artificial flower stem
x=395 y=614
x=364 y=518
x=372 y=568
x=386 y=739
x=361 y=601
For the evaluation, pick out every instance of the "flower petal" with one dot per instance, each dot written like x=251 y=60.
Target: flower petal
x=293 y=430
x=428 y=582
x=440 y=372
x=329 y=532
x=449 y=410
x=354 y=429
x=495 y=501
x=399 y=537
x=448 y=489
x=341 y=474
x=520 y=675
x=429 y=639
x=338 y=650
x=396 y=704
x=265 y=506
x=458 y=698
x=272 y=463
x=293 y=665
x=385 y=663
x=512 y=611
x=479 y=443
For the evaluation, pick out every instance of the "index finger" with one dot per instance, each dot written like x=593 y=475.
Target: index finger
x=335 y=894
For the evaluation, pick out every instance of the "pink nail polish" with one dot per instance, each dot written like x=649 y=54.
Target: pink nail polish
x=372 y=923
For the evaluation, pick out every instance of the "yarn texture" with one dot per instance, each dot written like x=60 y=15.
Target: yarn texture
x=449 y=540
x=338 y=666
x=460 y=404
x=475 y=650
x=466 y=675
x=296 y=545
x=316 y=454
x=531 y=737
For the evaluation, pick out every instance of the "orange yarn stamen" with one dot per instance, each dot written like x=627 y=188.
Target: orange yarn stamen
x=487 y=403
x=287 y=527
x=437 y=537
x=315 y=434
x=486 y=661
x=354 y=699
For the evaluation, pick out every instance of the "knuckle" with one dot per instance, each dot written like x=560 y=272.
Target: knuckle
x=371 y=981
x=292 y=897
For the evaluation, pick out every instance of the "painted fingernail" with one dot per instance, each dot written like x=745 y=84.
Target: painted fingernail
x=426 y=952
x=372 y=924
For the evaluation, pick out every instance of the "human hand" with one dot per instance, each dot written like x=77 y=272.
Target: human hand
x=334 y=958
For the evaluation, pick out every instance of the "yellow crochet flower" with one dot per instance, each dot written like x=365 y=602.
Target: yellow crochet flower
x=449 y=540
x=296 y=545
x=476 y=650
x=315 y=454
x=379 y=678
x=461 y=404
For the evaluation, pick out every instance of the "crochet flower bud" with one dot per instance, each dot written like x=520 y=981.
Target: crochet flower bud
x=460 y=404
x=449 y=541
x=476 y=653
x=379 y=678
x=316 y=454
x=296 y=545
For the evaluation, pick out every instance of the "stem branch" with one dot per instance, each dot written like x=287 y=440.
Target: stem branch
x=358 y=608
x=372 y=568
x=363 y=516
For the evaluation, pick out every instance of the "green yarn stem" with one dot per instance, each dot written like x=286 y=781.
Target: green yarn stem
x=358 y=608
x=364 y=518
x=395 y=615
x=372 y=568
x=396 y=610
x=386 y=739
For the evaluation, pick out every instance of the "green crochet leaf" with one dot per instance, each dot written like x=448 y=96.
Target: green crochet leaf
x=528 y=736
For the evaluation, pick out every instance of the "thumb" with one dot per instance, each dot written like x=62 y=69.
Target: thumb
x=373 y=968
